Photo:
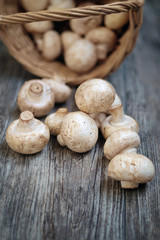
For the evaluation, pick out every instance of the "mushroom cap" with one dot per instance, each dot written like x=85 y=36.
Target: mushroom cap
x=95 y=95
x=131 y=167
x=102 y=35
x=119 y=141
x=61 y=4
x=108 y=128
x=116 y=21
x=79 y=132
x=61 y=90
x=38 y=27
x=102 y=51
x=27 y=135
x=68 y=38
x=34 y=5
x=83 y=25
x=51 y=45
x=38 y=39
x=81 y=56
x=36 y=96
x=54 y=120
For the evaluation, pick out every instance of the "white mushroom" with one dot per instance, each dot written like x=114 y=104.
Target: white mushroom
x=131 y=169
x=54 y=120
x=116 y=21
x=61 y=90
x=51 y=46
x=104 y=39
x=82 y=25
x=68 y=38
x=95 y=96
x=34 y=5
x=38 y=39
x=61 y=4
x=117 y=120
x=27 y=135
x=36 y=96
x=78 y=132
x=38 y=27
x=81 y=56
x=121 y=141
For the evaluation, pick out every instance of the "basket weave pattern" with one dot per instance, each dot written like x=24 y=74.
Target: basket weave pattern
x=22 y=48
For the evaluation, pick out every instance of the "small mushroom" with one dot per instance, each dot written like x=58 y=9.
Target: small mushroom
x=27 y=135
x=104 y=39
x=81 y=56
x=131 y=169
x=95 y=96
x=54 y=120
x=51 y=46
x=68 y=38
x=78 y=132
x=121 y=141
x=116 y=21
x=61 y=4
x=38 y=39
x=82 y=25
x=36 y=96
x=117 y=120
x=34 y=5
x=38 y=27
x=61 y=90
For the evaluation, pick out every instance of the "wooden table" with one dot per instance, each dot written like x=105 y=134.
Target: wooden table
x=58 y=194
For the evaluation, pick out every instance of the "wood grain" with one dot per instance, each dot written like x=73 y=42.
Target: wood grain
x=58 y=194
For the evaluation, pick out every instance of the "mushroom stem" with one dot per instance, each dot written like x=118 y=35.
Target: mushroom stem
x=36 y=89
x=26 y=119
x=117 y=115
x=129 y=184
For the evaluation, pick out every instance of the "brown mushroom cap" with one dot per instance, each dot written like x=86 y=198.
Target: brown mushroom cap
x=95 y=95
x=108 y=128
x=27 y=135
x=34 y=5
x=120 y=141
x=131 y=169
x=78 y=132
x=51 y=48
x=36 y=96
x=116 y=21
x=61 y=90
x=81 y=56
x=82 y=25
x=38 y=27
x=54 y=120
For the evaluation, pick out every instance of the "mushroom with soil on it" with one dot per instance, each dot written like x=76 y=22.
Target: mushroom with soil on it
x=54 y=120
x=78 y=132
x=27 y=135
x=131 y=169
x=36 y=96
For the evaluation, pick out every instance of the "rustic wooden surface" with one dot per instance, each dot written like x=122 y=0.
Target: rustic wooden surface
x=58 y=194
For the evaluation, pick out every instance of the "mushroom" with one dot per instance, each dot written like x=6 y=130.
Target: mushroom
x=116 y=21
x=51 y=46
x=61 y=90
x=54 y=120
x=117 y=120
x=27 y=135
x=104 y=39
x=68 y=38
x=82 y=25
x=61 y=4
x=36 y=96
x=81 y=56
x=131 y=169
x=38 y=27
x=124 y=140
x=98 y=117
x=38 y=39
x=78 y=132
x=34 y=5
x=95 y=96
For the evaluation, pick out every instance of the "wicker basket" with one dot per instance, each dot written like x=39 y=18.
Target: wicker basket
x=22 y=48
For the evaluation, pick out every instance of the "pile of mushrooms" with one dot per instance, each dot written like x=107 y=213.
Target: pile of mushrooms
x=84 y=43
